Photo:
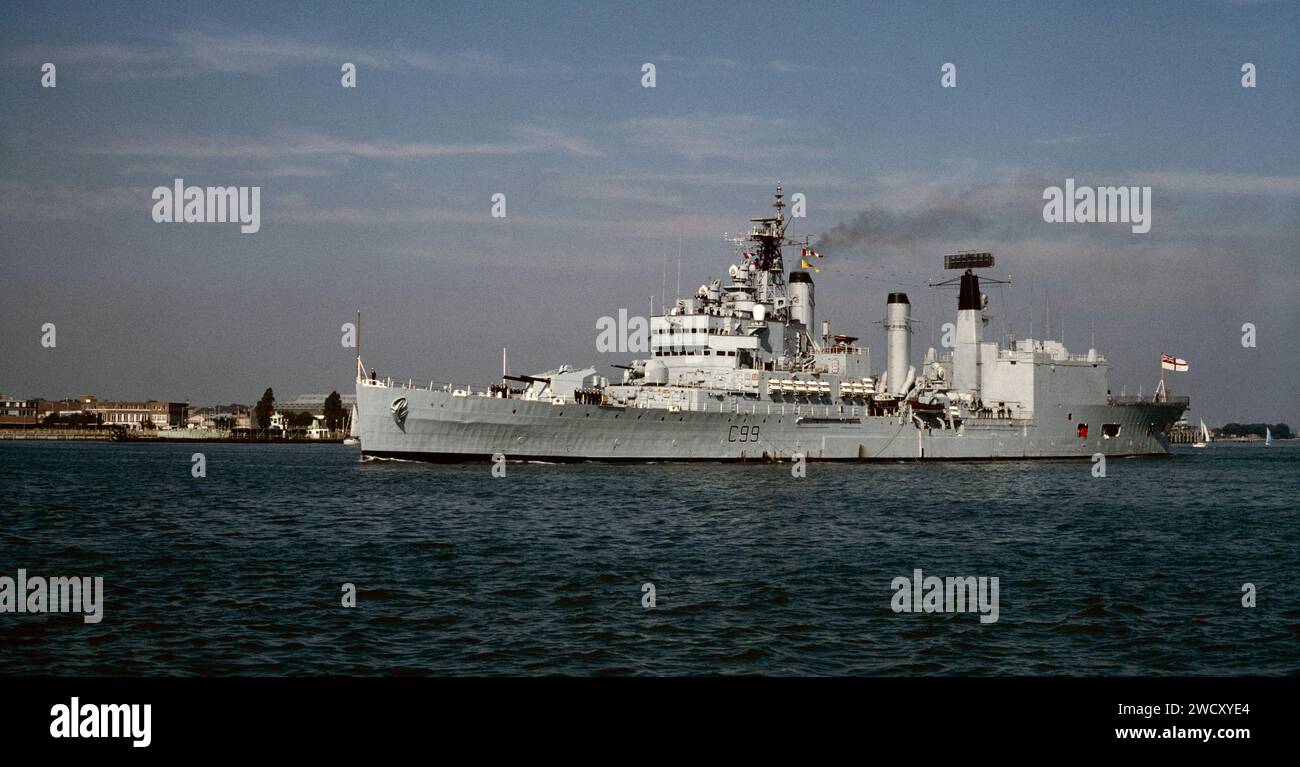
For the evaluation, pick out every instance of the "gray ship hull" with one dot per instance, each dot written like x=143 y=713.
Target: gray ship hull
x=441 y=426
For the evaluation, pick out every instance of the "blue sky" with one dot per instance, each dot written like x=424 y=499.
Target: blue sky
x=378 y=197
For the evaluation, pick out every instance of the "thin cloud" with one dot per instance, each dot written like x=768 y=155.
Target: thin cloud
x=253 y=53
x=731 y=137
x=353 y=216
x=1218 y=183
x=24 y=201
x=528 y=140
x=192 y=52
x=1071 y=140
x=788 y=67
x=173 y=168
x=792 y=180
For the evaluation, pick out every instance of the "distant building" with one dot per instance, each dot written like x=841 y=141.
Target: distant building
x=132 y=415
x=178 y=414
x=312 y=403
x=17 y=411
x=221 y=417
x=48 y=407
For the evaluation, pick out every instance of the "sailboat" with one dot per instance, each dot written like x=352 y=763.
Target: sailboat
x=1268 y=437
x=354 y=436
x=354 y=430
x=1205 y=436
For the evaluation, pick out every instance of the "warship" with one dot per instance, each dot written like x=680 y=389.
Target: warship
x=739 y=372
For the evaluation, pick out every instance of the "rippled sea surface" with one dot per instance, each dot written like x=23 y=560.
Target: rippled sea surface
x=541 y=572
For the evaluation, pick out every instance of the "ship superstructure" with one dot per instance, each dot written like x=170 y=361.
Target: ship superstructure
x=741 y=371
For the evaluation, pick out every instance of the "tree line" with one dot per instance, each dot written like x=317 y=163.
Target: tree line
x=333 y=412
x=1280 y=430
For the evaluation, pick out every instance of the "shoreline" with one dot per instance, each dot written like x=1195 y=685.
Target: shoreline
x=95 y=435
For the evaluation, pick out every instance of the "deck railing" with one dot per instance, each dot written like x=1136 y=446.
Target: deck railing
x=1144 y=400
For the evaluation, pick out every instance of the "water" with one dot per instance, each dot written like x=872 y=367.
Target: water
x=541 y=572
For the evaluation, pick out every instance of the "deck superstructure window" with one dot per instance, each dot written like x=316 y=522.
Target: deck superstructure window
x=1110 y=430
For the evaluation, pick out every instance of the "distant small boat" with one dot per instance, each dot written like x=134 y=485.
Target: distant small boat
x=354 y=436
x=1268 y=437
x=1205 y=436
